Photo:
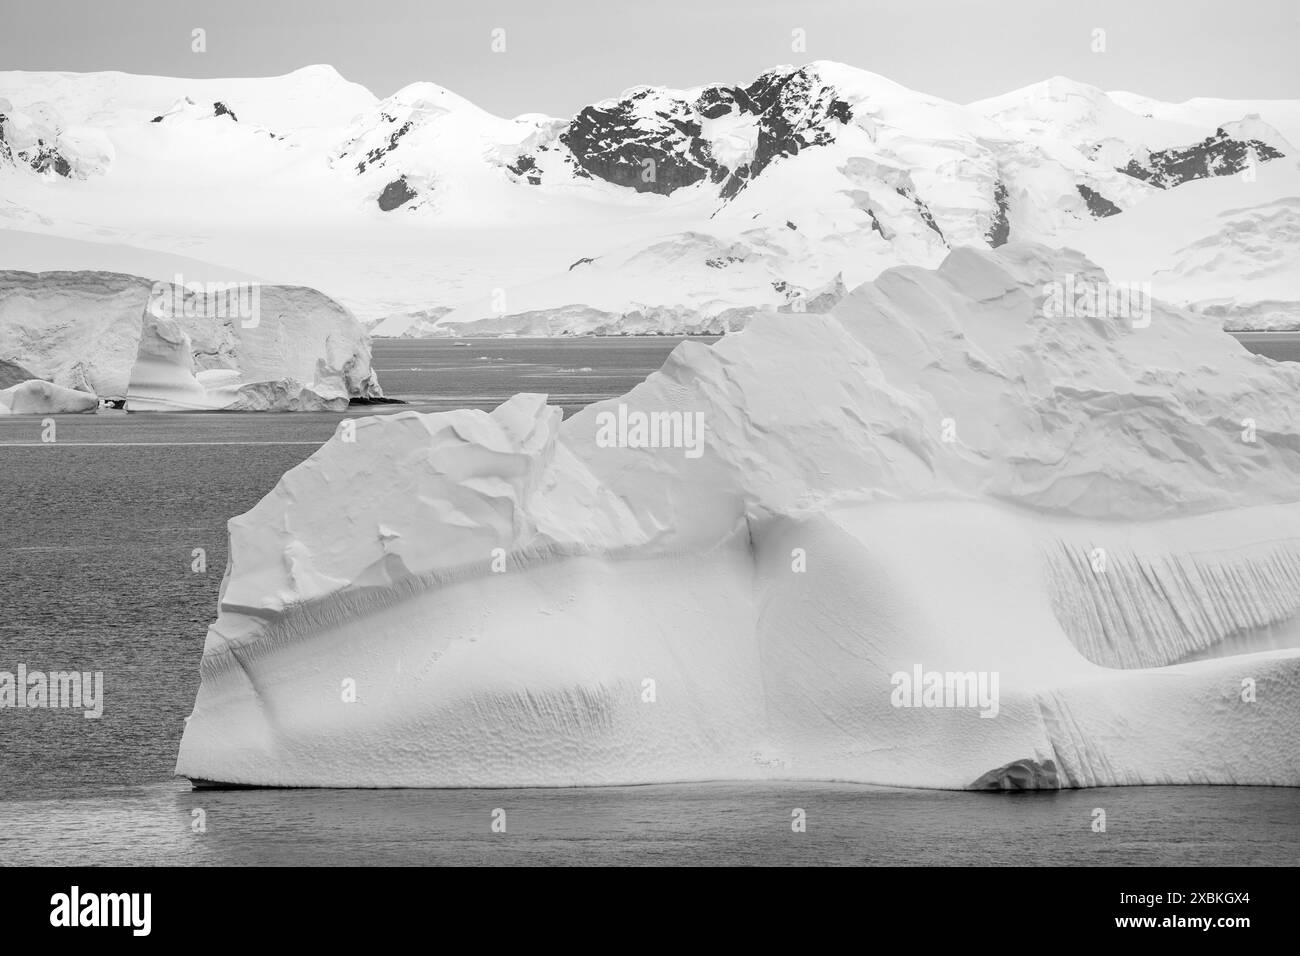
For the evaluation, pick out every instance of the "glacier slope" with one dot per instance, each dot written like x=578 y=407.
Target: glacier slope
x=1228 y=247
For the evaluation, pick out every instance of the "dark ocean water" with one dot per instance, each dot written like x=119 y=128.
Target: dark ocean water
x=1279 y=346
x=97 y=533
x=701 y=824
x=483 y=373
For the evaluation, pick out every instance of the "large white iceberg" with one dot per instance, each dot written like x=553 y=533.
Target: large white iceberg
x=37 y=397
x=164 y=346
x=938 y=537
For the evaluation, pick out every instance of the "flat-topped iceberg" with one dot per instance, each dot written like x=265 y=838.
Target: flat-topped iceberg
x=939 y=537
x=164 y=346
x=37 y=397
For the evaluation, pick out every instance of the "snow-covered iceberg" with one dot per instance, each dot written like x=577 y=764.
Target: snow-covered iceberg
x=165 y=346
x=941 y=536
x=37 y=397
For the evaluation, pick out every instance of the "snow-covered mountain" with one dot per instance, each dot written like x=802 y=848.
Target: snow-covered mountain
x=657 y=210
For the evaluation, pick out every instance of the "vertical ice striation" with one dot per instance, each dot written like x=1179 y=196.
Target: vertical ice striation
x=1131 y=609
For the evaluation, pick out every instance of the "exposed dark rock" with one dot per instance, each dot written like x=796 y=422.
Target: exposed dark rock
x=395 y=194
x=582 y=261
x=1000 y=229
x=1098 y=205
x=218 y=109
x=1027 y=774
x=46 y=158
x=794 y=114
x=662 y=151
x=922 y=210
x=522 y=164
x=526 y=164
x=790 y=224
x=43 y=158
x=658 y=154
x=718 y=101
x=840 y=110
x=379 y=152
x=875 y=224
x=1217 y=155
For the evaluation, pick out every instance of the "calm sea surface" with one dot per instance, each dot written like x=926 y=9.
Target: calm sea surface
x=96 y=539
x=1279 y=346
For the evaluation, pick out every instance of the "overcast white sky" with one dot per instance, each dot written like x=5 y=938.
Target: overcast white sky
x=561 y=55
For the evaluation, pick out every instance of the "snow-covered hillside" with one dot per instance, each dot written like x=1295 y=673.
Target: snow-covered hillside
x=1096 y=520
x=656 y=210
x=1227 y=246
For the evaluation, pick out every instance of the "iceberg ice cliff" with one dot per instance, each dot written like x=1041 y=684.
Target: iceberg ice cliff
x=36 y=397
x=1086 y=527
x=167 y=347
